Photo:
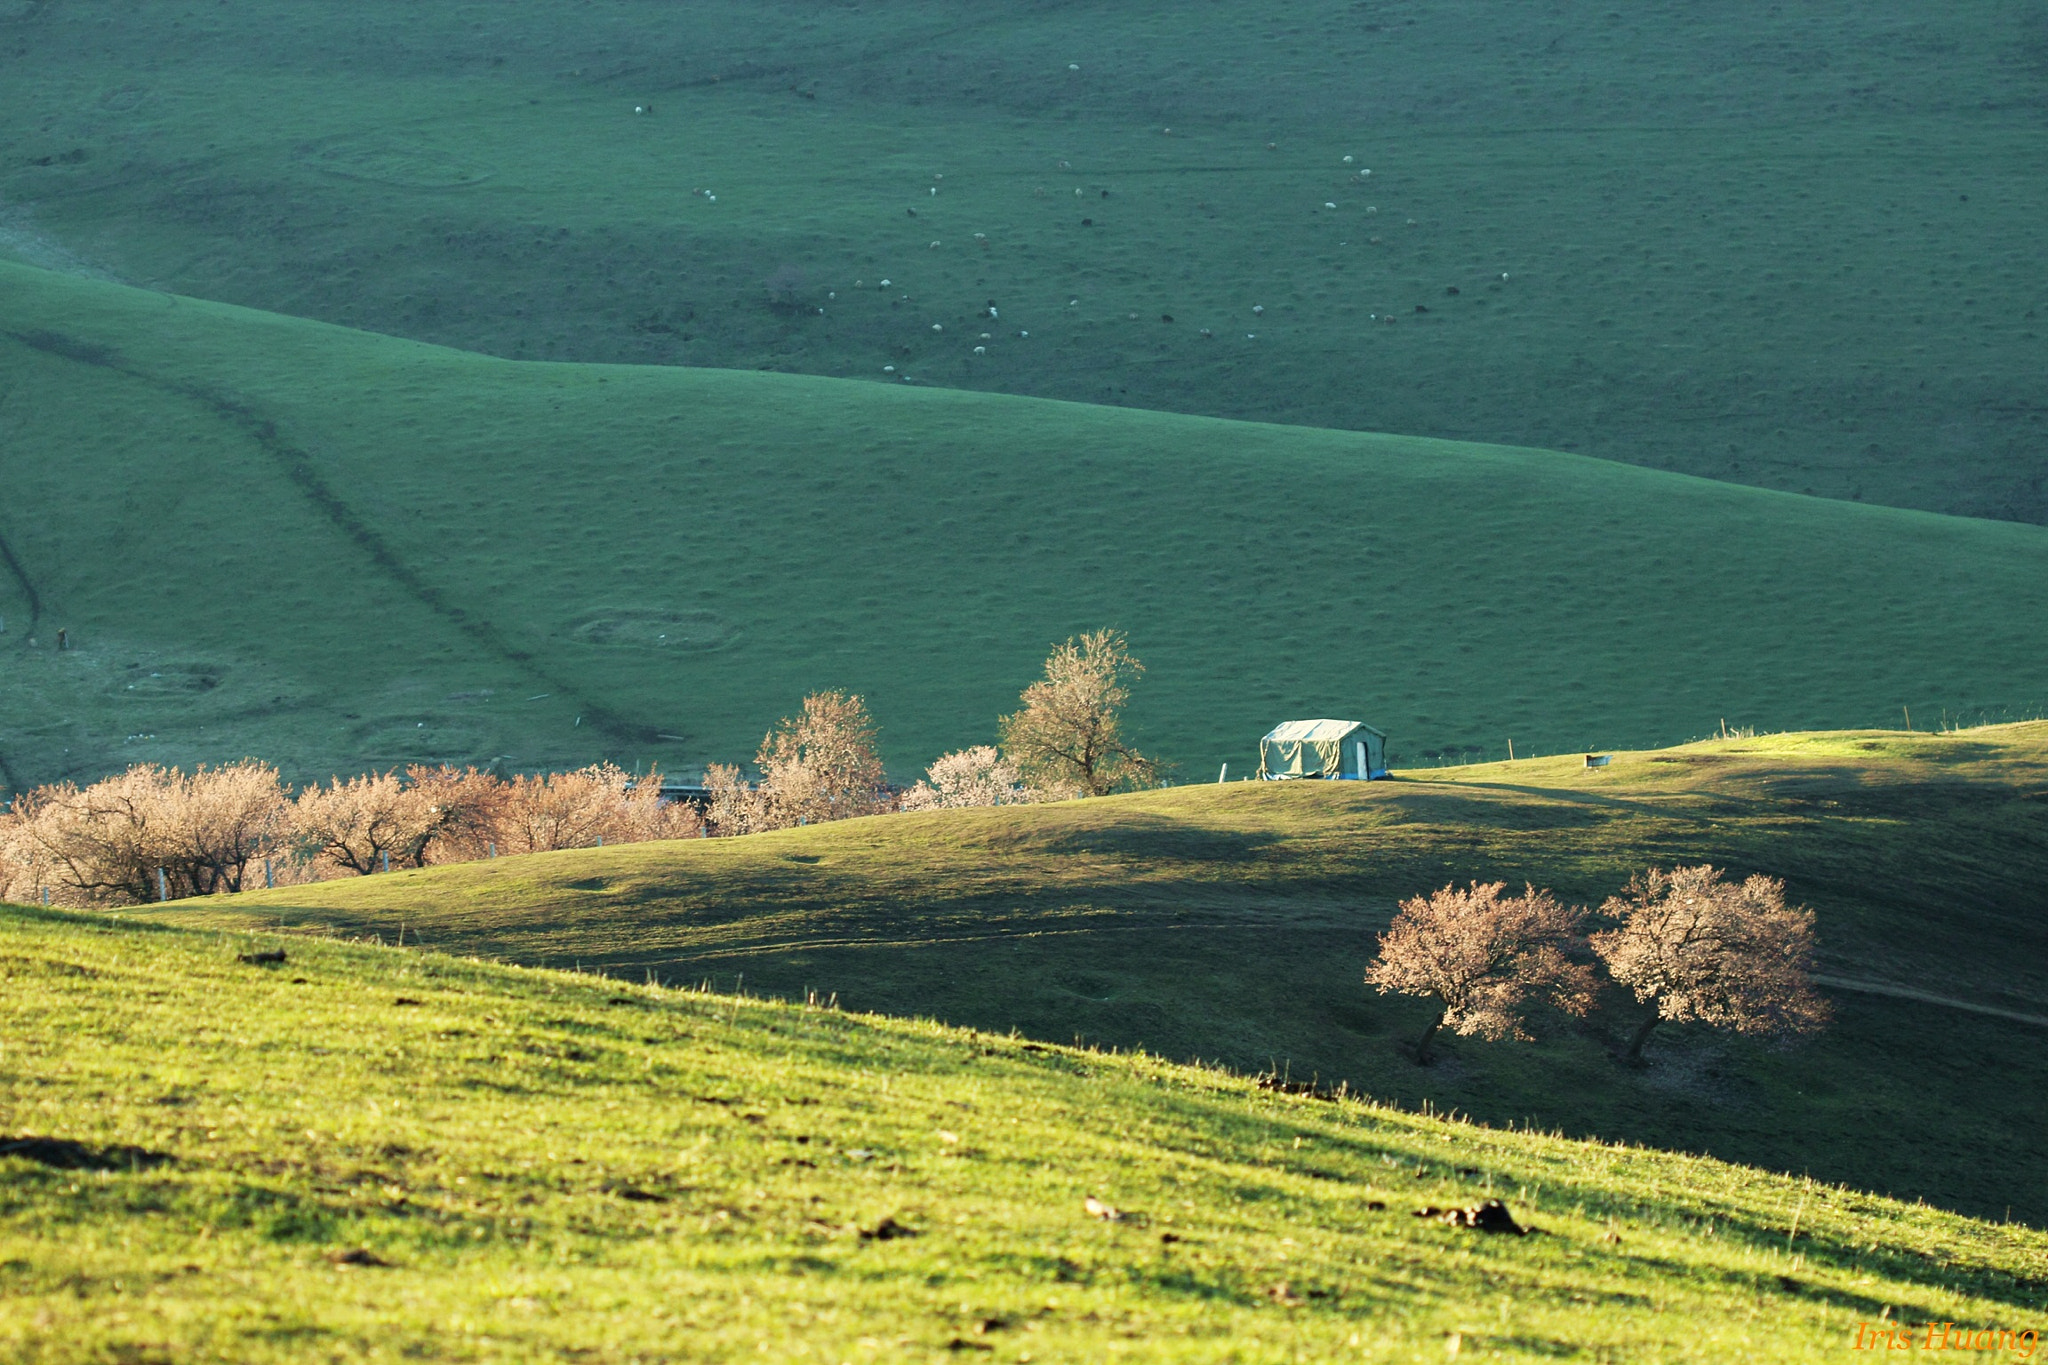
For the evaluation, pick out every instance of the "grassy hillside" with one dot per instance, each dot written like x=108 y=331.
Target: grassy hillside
x=1235 y=923
x=362 y=1154
x=1790 y=247
x=335 y=550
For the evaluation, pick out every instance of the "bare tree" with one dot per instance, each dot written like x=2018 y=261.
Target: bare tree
x=731 y=806
x=821 y=764
x=148 y=831
x=1066 y=737
x=598 y=804
x=968 y=777
x=1693 y=947
x=1485 y=956
x=362 y=824
x=463 y=807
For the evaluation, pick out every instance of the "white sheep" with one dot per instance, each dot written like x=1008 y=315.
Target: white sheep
x=981 y=350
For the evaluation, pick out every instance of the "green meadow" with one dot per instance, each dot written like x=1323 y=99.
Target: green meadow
x=340 y=551
x=367 y=1154
x=1234 y=923
x=1792 y=247
x=532 y=385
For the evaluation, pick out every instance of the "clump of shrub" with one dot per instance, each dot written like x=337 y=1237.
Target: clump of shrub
x=820 y=764
x=979 y=776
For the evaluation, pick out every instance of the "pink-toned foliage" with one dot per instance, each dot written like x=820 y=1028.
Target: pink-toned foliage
x=968 y=777
x=141 y=833
x=1696 y=948
x=1485 y=956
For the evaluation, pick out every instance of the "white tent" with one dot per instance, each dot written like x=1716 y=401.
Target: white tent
x=1344 y=749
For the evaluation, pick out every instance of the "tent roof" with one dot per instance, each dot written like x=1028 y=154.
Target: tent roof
x=1313 y=730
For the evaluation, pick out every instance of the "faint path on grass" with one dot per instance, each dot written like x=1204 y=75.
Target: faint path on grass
x=35 y=615
x=1585 y=798
x=298 y=467
x=1844 y=983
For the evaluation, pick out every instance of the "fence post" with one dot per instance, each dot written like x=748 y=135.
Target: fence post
x=163 y=887
x=1221 y=773
x=386 y=853
x=267 y=881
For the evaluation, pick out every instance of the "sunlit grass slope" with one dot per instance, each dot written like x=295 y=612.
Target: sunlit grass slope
x=338 y=550
x=365 y=1154
x=1235 y=923
x=1790 y=247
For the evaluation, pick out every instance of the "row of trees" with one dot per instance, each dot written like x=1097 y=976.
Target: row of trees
x=1687 y=945
x=154 y=832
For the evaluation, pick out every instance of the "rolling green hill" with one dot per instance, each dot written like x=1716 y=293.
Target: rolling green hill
x=1791 y=248
x=337 y=550
x=362 y=1154
x=1234 y=923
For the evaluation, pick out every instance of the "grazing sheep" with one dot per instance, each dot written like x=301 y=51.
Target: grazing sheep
x=938 y=327
x=1258 y=309
x=981 y=350
x=1328 y=205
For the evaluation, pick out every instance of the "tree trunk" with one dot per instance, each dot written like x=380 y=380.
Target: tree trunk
x=1422 y=1052
x=1635 y=1044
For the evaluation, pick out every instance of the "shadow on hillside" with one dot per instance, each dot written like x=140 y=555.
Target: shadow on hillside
x=1901 y=1098
x=67 y=1154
